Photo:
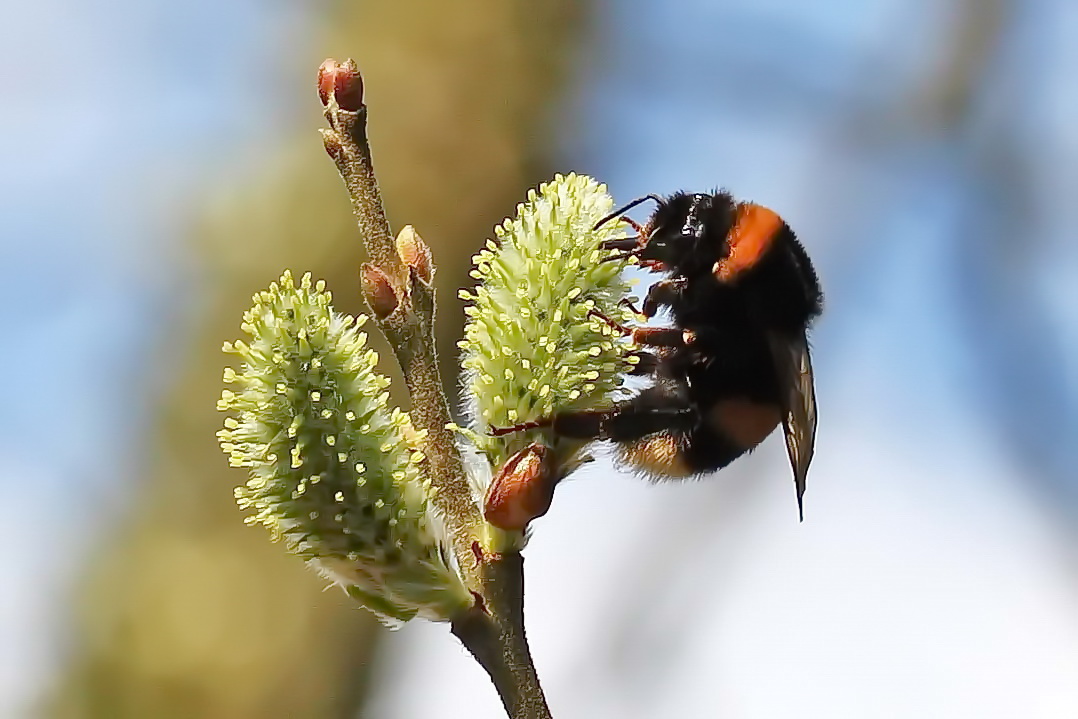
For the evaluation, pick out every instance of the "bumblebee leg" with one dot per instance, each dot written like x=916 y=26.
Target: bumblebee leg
x=664 y=406
x=628 y=243
x=648 y=364
x=653 y=410
x=613 y=323
x=634 y=249
x=662 y=294
x=650 y=336
x=662 y=336
x=522 y=427
x=637 y=227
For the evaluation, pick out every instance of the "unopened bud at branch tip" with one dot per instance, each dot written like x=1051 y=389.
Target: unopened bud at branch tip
x=340 y=81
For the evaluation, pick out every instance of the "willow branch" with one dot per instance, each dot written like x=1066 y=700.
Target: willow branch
x=398 y=288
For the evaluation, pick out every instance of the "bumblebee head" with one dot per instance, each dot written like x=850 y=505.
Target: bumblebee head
x=685 y=234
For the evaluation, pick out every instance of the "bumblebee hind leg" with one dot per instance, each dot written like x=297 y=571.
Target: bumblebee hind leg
x=648 y=365
x=663 y=406
x=657 y=408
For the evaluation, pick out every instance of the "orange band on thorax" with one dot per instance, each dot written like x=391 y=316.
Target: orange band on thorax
x=755 y=227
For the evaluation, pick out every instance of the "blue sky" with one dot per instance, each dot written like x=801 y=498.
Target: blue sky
x=925 y=535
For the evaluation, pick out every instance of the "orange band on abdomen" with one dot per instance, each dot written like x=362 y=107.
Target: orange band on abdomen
x=743 y=422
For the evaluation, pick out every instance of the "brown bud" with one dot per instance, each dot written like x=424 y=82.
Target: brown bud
x=378 y=291
x=415 y=253
x=340 y=81
x=522 y=489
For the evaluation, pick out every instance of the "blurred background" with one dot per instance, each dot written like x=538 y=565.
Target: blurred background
x=161 y=164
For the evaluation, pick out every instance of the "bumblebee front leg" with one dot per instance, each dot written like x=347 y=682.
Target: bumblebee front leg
x=651 y=336
x=663 y=294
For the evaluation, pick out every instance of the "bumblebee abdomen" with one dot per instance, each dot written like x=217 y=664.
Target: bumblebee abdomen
x=742 y=422
x=728 y=430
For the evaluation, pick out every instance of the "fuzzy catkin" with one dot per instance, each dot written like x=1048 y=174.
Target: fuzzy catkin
x=331 y=469
x=531 y=344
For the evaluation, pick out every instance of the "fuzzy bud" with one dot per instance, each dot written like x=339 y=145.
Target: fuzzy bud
x=331 y=470
x=378 y=291
x=415 y=253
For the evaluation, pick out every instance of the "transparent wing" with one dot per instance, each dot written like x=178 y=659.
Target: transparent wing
x=795 y=373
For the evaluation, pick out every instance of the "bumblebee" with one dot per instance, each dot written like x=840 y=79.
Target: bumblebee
x=735 y=362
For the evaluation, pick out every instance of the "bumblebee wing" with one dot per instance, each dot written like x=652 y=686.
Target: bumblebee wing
x=799 y=394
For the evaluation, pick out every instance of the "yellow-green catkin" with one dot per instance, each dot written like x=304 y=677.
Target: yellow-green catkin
x=531 y=347
x=331 y=470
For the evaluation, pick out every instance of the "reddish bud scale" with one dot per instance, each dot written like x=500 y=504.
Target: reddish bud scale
x=522 y=489
x=341 y=82
x=325 y=79
x=378 y=291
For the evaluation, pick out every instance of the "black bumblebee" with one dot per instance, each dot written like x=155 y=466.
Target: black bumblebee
x=735 y=364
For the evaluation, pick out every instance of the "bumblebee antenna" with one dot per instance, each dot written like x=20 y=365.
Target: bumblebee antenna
x=622 y=210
